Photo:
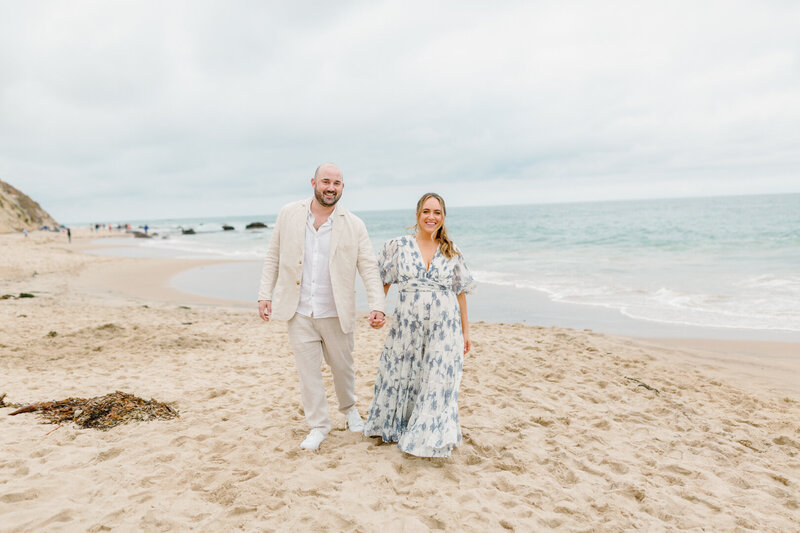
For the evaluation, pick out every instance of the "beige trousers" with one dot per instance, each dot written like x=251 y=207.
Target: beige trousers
x=313 y=339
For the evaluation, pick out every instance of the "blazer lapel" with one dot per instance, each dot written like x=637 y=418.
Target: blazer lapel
x=298 y=228
x=337 y=220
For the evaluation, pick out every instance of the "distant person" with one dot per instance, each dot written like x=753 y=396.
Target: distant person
x=25 y=232
x=145 y=229
x=69 y=235
x=419 y=371
x=309 y=279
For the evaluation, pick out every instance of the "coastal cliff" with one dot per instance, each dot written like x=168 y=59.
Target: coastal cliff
x=19 y=212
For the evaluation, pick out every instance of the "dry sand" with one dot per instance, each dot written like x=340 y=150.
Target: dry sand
x=563 y=430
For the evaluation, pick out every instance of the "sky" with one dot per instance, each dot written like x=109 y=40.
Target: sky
x=115 y=110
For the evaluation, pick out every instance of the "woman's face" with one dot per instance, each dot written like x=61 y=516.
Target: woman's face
x=431 y=217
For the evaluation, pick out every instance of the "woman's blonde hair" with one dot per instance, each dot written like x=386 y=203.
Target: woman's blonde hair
x=446 y=246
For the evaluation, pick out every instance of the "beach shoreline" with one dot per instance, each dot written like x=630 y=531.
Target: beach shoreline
x=747 y=357
x=236 y=283
x=563 y=428
x=743 y=354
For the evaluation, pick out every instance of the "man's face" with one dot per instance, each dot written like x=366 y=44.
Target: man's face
x=328 y=186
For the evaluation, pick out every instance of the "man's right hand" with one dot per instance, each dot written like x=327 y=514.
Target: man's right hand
x=265 y=309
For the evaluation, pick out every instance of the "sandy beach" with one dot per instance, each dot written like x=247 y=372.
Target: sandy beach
x=564 y=430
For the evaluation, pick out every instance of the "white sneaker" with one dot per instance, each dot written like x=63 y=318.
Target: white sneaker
x=313 y=440
x=353 y=421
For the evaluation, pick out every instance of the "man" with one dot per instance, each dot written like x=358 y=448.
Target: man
x=309 y=279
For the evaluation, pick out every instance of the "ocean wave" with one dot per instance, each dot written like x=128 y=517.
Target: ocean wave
x=770 y=281
x=770 y=308
x=206 y=249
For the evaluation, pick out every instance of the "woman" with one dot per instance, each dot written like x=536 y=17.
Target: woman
x=416 y=390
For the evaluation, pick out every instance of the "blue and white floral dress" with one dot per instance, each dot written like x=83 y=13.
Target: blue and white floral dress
x=419 y=372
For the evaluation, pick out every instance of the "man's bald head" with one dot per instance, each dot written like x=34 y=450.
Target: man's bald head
x=328 y=168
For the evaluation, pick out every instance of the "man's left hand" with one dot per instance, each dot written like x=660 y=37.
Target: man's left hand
x=377 y=319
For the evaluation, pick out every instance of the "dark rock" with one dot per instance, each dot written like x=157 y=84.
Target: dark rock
x=255 y=225
x=189 y=231
x=141 y=235
x=227 y=227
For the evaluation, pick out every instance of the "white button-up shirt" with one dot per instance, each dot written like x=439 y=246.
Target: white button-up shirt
x=316 y=291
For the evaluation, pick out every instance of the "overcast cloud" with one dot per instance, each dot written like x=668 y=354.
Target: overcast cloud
x=130 y=110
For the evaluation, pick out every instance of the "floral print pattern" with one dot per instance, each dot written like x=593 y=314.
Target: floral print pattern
x=419 y=372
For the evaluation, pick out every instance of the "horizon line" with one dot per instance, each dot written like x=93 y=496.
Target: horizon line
x=619 y=200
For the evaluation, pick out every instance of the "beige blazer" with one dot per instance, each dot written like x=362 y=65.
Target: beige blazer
x=350 y=251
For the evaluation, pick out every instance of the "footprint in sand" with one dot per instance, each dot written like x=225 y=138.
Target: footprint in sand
x=108 y=454
x=16 y=497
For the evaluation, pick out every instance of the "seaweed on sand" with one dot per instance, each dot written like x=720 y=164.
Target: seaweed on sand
x=101 y=412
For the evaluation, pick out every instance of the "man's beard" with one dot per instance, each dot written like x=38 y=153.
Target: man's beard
x=322 y=201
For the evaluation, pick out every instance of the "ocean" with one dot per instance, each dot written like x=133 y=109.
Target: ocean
x=723 y=262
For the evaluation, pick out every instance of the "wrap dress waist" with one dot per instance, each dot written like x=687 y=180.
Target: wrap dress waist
x=423 y=285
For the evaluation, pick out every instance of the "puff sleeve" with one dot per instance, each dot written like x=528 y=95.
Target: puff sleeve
x=462 y=278
x=387 y=262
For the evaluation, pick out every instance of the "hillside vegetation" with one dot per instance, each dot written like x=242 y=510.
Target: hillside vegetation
x=18 y=211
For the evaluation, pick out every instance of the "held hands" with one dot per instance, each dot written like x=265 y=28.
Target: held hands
x=377 y=319
x=265 y=309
